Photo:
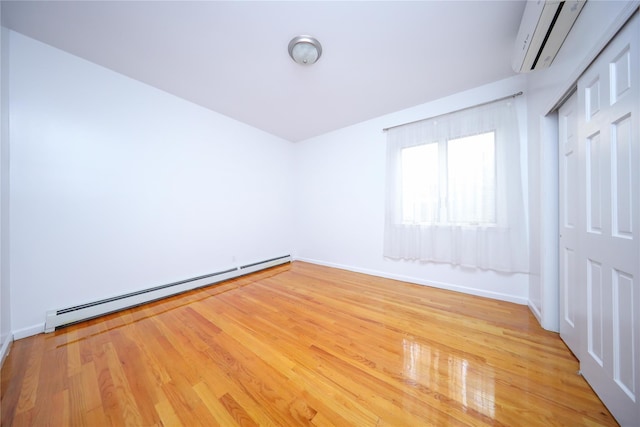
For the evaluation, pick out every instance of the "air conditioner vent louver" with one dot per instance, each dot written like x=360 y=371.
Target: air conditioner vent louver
x=544 y=27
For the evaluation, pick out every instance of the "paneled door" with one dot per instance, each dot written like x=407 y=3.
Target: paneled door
x=568 y=204
x=608 y=239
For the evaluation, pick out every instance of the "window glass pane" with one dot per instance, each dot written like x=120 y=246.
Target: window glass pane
x=471 y=179
x=420 y=183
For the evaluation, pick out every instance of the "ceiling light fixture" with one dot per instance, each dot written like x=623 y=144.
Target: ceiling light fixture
x=305 y=50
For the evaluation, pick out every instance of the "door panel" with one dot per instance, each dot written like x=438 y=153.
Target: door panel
x=622 y=178
x=607 y=243
x=568 y=160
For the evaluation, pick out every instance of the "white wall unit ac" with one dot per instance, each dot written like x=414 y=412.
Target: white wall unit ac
x=545 y=24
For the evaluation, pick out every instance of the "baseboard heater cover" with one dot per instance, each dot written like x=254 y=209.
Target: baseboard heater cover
x=67 y=316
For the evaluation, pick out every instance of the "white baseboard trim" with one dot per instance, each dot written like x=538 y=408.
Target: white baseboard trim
x=70 y=315
x=28 y=331
x=535 y=312
x=434 y=284
x=5 y=348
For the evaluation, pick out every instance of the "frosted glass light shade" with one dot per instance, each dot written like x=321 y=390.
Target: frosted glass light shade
x=305 y=50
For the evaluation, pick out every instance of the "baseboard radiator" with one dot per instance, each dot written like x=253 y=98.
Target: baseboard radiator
x=67 y=316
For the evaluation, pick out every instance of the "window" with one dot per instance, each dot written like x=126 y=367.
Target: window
x=420 y=184
x=454 y=190
x=451 y=182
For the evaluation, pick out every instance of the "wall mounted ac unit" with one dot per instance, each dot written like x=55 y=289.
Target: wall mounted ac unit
x=545 y=24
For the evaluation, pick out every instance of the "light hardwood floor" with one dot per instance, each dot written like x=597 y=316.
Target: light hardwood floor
x=302 y=344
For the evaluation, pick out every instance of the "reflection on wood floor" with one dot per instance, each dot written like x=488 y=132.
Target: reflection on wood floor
x=302 y=344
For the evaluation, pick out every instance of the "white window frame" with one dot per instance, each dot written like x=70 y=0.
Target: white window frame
x=442 y=191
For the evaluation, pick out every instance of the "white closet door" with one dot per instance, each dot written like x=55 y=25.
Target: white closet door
x=568 y=174
x=608 y=236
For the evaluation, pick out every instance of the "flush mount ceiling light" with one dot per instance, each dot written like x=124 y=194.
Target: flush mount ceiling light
x=305 y=50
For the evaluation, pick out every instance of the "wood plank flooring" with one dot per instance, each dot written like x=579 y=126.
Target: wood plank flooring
x=301 y=344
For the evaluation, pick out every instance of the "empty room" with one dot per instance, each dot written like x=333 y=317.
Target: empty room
x=329 y=213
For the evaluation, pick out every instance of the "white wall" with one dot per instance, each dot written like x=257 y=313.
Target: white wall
x=100 y=163
x=5 y=294
x=340 y=191
x=117 y=186
x=596 y=25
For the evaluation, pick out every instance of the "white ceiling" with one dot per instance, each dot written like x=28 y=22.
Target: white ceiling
x=231 y=57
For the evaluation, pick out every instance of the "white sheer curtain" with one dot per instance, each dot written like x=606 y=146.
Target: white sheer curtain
x=462 y=205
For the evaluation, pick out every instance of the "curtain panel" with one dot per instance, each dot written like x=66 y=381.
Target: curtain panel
x=501 y=245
